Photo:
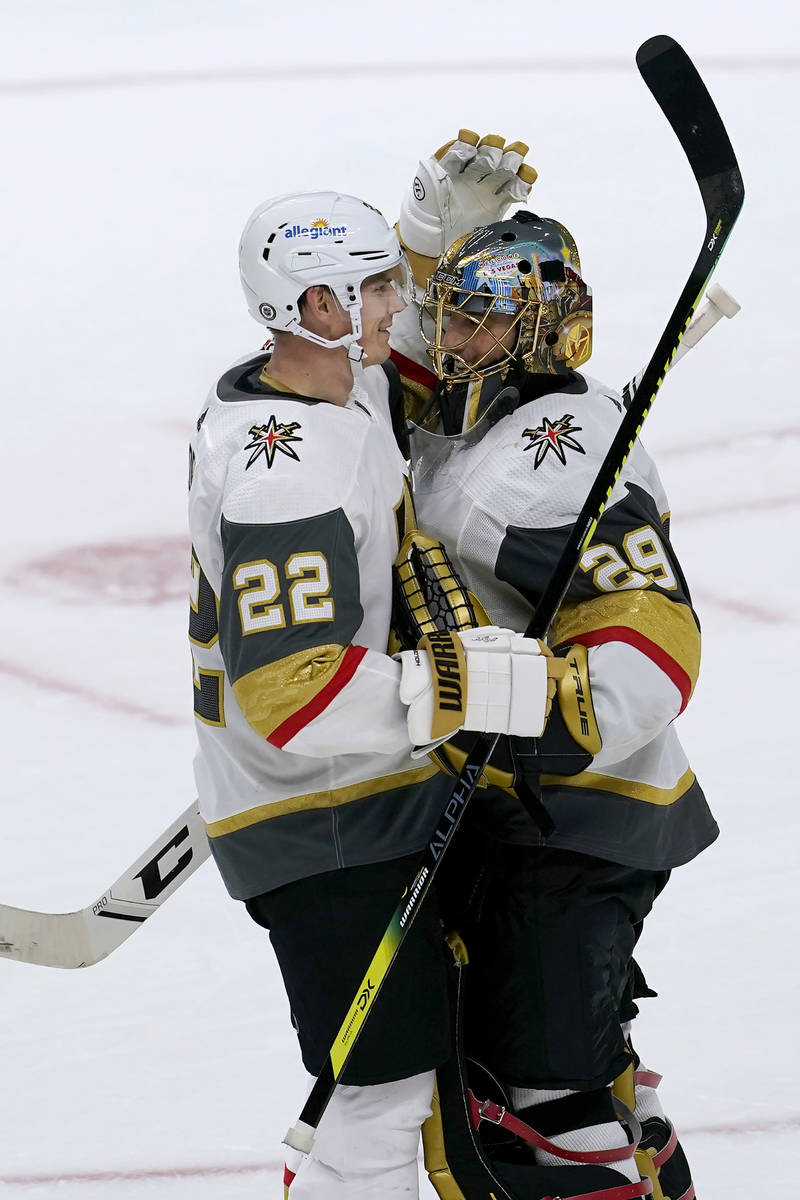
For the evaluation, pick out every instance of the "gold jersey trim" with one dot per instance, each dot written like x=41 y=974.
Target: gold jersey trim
x=646 y=792
x=327 y=799
x=276 y=384
x=272 y=694
x=671 y=626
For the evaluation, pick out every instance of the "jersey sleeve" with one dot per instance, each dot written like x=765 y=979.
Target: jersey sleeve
x=628 y=605
x=290 y=610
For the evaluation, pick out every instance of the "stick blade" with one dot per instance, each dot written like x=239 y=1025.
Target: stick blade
x=87 y=936
x=45 y=939
x=682 y=96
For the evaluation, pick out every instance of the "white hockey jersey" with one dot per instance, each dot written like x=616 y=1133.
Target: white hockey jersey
x=296 y=510
x=502 y=496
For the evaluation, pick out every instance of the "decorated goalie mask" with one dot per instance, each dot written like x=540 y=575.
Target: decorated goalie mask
x=508 y=293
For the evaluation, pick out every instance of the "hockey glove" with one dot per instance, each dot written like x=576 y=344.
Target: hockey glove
x=572 y=737
x=485 y=680
x=467 y=183
x=427 y=593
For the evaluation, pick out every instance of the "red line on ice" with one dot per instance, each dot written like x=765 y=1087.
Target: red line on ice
x=112 y=703
x=746 y=437
x=742 y=508
x=144 y=1173
x=768 y=616
x=776 y=1125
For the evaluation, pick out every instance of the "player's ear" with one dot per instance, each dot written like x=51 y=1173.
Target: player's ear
x=319 y=308
x=315 y=301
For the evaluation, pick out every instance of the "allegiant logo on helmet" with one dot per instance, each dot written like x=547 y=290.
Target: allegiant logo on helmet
x=317 y=229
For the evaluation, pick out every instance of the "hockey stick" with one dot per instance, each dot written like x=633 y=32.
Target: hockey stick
x=719 y=304
x=684 y=100
x=85 y=937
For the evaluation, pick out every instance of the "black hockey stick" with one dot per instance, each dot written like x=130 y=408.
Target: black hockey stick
x=684 y=100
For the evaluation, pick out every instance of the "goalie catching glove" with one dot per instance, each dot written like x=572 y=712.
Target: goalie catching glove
x=467 y=183
x=484 y=680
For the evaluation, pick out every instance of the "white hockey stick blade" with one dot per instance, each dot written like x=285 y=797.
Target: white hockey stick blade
x=718 y=304
x=85 y=937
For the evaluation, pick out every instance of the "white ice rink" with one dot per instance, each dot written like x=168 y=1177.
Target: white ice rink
x=133 y=146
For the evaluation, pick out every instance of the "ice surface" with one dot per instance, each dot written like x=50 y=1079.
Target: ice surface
x=170 y=1070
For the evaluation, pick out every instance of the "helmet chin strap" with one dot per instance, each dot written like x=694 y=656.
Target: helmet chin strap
x=355 y=352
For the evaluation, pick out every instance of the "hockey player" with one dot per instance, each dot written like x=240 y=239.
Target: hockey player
x=512 y=439
x=315 y=805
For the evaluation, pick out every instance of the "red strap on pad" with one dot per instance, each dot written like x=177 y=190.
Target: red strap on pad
x=628 y=1191
x=647 y=1078
x=487 y=1110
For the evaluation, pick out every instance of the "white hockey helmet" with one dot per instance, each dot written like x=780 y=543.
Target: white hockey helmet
x=298 y=241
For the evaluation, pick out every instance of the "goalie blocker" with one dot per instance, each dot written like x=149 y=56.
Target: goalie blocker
x=466 y=674
x=485 y=680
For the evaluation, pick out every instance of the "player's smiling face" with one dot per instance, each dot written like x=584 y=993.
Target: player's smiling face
x=379 y=303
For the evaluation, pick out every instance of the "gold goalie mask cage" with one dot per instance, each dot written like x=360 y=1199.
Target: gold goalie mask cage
x=509 y=292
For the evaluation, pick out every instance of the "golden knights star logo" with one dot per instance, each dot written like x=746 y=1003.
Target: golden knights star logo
x=555 y=436
x=269 y=438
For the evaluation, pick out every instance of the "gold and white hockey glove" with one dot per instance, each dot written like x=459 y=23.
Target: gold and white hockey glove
x=467 y=183
x=484 y=680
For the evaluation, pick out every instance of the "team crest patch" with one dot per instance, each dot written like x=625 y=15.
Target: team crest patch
x=270 y=438
x=555 y=436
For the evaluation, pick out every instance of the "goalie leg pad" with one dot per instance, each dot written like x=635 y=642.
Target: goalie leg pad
x=660 y=1156
x=506 y=1162
x=580 y=1126
x=485 y=1160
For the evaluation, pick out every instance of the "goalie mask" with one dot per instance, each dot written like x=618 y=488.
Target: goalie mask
x=509 y=293
x=295 y=242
